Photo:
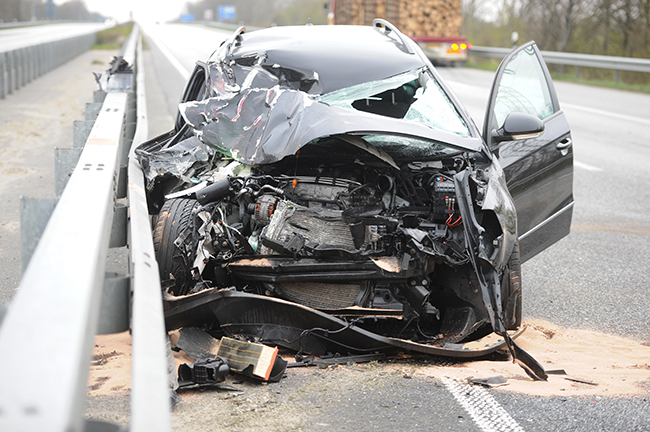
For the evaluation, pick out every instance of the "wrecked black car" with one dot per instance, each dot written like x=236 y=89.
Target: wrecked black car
x=325 y=191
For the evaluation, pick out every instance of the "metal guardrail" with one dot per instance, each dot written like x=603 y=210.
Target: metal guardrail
x=151 y=353
x=13 y=24
x=21 y=66
x=48 y=330
x=577 y=60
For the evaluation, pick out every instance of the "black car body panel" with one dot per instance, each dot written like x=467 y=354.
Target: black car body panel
x=539 y=170
x=327 y=178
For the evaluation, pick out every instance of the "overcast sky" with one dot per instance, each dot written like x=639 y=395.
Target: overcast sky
x=164 y=10
x=143 y=10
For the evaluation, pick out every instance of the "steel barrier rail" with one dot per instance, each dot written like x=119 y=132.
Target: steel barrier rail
x=7 y=25
x=150 y=390
x=572 y=59
x=18 y=67
x=48 y=330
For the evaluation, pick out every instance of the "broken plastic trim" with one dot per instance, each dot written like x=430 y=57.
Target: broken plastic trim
x=489 y=279
x=291 y=325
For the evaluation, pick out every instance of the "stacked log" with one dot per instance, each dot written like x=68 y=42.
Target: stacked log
x=439 y=18
x=349 y=12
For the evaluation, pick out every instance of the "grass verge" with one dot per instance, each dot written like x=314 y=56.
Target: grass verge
x=492 y=65
x=114 y=37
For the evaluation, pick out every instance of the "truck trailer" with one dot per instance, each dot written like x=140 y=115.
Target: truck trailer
x=434 y=24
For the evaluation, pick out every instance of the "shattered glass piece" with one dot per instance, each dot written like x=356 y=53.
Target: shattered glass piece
x=424 y=100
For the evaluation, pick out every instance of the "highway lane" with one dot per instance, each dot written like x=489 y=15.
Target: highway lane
x=596 y=278
x=22 y=37
x=176 y=48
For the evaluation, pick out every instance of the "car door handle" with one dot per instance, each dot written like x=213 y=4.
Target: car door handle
x=565 y=143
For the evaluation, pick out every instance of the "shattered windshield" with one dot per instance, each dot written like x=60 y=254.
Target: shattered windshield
x=413 y=95
x=405 y=148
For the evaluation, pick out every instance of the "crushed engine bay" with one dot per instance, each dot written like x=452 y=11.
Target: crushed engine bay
x=380 y=247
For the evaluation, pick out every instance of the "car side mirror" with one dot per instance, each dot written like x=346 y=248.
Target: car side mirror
x=518 y=126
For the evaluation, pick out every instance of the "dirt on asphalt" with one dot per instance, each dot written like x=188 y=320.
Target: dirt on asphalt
x=596 y=364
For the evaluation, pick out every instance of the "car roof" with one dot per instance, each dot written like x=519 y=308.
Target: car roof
x=341 y=56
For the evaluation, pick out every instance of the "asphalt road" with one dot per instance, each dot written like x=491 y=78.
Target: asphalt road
x=21 y=37
x=595 y=278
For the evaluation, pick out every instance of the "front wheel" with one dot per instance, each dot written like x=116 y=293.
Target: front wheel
x=511 y=290
x=176 y=222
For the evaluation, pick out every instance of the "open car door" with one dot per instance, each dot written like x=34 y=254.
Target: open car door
x=539 y=166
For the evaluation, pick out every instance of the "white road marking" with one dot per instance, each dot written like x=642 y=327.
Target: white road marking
x=486 y=412
x=179 y=67
x=599 y=112
x=586 y=167
x=604 y=113
x=460 y=85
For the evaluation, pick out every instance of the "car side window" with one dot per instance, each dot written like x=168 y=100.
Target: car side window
x=523 y=88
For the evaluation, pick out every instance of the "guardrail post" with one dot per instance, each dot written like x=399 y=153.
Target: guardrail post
x=34 y=215
x=49 y=53
x=18 y=57
x=65 y=161
x=113 y=316
x=3 y=79
x=11 y=71
x=31 y=57
x=24 y=57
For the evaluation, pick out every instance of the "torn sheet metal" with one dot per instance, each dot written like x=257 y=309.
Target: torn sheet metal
x=491 y=382
x=258 y=126
x=182 y=160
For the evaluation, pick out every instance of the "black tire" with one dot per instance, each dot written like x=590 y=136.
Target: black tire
x=175 y=217
x=511 y=290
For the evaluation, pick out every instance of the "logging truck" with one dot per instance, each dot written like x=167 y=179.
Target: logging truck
x=433 y=24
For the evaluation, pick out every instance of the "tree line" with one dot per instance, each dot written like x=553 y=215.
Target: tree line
x=603 y=27
x=30 y=10
x=607 y=27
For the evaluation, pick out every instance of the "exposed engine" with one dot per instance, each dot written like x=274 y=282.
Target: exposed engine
x=356 y=240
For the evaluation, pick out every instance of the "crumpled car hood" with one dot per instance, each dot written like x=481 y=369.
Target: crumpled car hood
x=263 y=124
